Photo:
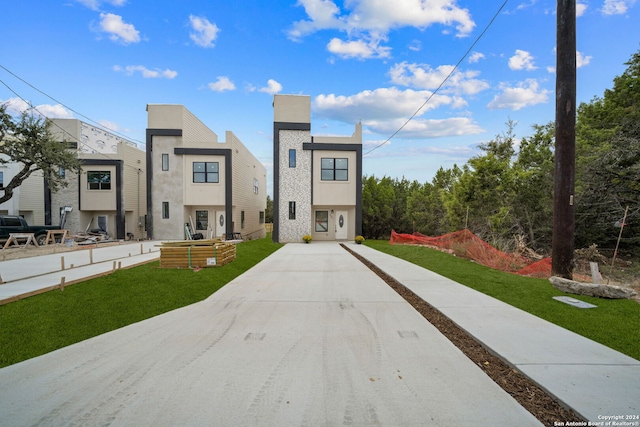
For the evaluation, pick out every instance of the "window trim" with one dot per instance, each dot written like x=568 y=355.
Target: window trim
x=318 y=223
x=334 y=169
x=206 y=174
x=100 y=184
x=292 y=210
x=292 y=158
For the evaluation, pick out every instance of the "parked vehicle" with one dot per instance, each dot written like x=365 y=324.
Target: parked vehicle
x=16 y=224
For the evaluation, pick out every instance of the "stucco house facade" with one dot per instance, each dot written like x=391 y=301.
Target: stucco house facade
x=317 y=179
x=109 y=194
x=217 y=188
x=28 y=199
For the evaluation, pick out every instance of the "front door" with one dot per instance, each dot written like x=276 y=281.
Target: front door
x=221 y=223
x=341 y=225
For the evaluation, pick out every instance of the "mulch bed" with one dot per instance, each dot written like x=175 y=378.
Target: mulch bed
x=535 y=400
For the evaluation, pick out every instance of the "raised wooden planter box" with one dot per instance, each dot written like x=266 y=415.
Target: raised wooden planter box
x=196 y=254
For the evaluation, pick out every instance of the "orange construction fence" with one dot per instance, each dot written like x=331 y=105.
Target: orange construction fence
x=466 y=244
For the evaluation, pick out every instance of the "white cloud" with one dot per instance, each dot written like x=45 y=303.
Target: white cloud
x=582 y=60
x=581 y=8
x=371 y=21
x=119 y=30
x=415 y=45
x=426 y=128
x=16 y=106
x=616 y=7
x=223 y=83
x=95 y=4
x=422 y=76
x=379 y=104
x=358 y=49
x=272 y=87
x=475 y=57
x=146 y=73
x=204 y=32
x=522 y=60
x=525 y=94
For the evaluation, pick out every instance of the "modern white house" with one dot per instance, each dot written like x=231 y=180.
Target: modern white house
x=317 y=179
x=197 y=184
x=109 y=194
x=28 y=199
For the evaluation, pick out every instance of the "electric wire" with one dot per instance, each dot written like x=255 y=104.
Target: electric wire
x=76 y=139
x=486 y=28
x=68 y=108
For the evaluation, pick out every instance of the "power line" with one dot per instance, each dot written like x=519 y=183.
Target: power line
x=65 y=106
x=64 y=131
x=443 y=81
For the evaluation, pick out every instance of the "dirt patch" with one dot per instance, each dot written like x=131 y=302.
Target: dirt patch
x=535 y=400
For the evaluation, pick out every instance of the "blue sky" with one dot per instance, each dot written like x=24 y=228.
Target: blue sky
x=374 y=61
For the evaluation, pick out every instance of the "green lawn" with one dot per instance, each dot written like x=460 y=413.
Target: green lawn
x=614 y=323
x=46 y=322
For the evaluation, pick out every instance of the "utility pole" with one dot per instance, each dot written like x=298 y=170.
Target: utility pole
x=562 y=244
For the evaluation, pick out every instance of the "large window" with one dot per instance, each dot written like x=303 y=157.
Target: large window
x=292 y=158
x=292 y=210
x=99 y=180
x=202 y=220
x=322 y=221
x=334 y=169
x=206 y=172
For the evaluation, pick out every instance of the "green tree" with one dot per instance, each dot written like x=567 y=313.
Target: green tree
x=268 y=213
x=27 y=141
x=377 y=207
x=533 y=187
x=607 y=135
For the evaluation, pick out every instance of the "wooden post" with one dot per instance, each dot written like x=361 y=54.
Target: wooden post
x=90 y=255
x=62 y=280
x=562 y=244
x=62 y=263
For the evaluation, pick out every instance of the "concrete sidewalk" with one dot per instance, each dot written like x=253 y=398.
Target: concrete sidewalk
x=28 y=276
x=309 y=336
x=593 y=380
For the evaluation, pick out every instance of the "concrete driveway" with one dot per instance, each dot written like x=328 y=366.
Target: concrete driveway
x=308 y=337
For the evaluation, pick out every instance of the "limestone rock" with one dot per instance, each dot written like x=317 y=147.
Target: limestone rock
x=591 y=289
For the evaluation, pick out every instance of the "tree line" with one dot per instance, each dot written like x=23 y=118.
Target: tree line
x=505 y=194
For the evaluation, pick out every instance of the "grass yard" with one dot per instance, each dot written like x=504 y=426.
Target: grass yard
x=615 y=323
x=49 y=321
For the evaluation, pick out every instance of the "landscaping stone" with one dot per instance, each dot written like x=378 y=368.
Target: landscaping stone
x=591 y=289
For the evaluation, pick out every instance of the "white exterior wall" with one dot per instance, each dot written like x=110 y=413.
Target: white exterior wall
x=97 y=144
x=246 y=168
x=185 y=197
x=295 y=186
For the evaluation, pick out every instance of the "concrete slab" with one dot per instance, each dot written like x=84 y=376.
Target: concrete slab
x=28 y=276
x=574 y=369
x=323 y=345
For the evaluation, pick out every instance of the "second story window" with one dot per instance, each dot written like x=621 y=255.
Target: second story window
x=206 y=172
x=165 y=162
x=99 y=180
x=256 y=188
x=334 y=169
x=292 y=158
